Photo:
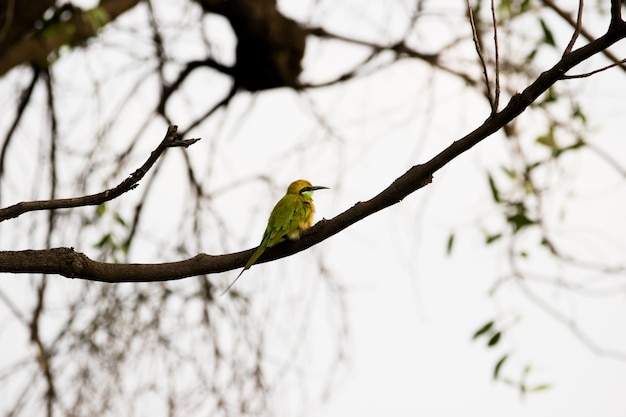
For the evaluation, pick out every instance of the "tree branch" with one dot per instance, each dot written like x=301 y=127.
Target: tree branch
x=479 y=52
x=577 y=27
x=586 y=34
x=67 y=262
x=171 y=140
x=37 y=48
x=43 y=356
x=21 y=107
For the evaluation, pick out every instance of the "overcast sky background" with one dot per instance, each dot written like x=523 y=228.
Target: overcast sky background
x=411 y=309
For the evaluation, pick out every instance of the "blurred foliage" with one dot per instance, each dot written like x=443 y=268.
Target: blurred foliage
x=494 y=334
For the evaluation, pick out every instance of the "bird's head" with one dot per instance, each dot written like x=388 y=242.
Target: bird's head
x=303 y=187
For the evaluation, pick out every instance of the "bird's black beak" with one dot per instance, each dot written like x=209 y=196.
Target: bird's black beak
x=319 y=187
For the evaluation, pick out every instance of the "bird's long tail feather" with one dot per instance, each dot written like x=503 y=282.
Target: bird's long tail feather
x=250 y=262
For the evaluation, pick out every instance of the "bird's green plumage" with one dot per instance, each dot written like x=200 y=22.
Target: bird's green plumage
x=292 y=215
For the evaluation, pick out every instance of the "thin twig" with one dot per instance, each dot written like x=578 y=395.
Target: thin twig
x=24 y=100
x=497 y=56
x=222 y=103
x=608 y=157
x=171 y=140
x=577 y=28
x=589 y=74
x=134 y=224
x=570 y=324
x=400 y=48
x=43 y=356
x=481 y=57
x=588 y=36
x=54 y=137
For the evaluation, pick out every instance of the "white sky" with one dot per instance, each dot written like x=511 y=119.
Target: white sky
x=412 y=309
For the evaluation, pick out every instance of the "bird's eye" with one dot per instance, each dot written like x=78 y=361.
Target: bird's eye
x=306 y=190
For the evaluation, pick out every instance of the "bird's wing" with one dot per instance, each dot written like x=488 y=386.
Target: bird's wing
x=284 y=219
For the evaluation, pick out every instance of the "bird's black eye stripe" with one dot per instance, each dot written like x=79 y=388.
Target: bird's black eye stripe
x=305 y=189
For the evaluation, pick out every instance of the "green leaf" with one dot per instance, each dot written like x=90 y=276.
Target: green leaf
x=106 y=240
x=119 y=219
x=495 y=194
x=494 y=339
x=484 y=329
x=101 y=209
x=576 y=145
x=492 y=238
x=548 y=38
x=525 y=6
x=509 y=172
x=548 y=140
x=97 y=17
x=476 y=8
x=532 y=166
x=519 y=221
x=498 y=367
x=124 y=248
x=579 y=144
x=548 y=244
x=541 y=387
x=577 y=113
x=550 y=97
x=505 y=8
x=450 y=244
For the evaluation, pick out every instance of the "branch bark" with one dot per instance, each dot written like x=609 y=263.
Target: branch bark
x=37 y=49
x=171 y=140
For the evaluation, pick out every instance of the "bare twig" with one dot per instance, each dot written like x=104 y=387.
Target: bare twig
x=579 y=333
x=132 y=227
x=577 y=28
x=496 y=103
x=479 y=51
x=222 y=103
x=168 y=89
x=53 y=150
x=12 y=306
x=589 y=74
x=24 y=99
x=400 y=48
x=171 y=140
x=607 y=157
x=43 y=356
x=565 y=16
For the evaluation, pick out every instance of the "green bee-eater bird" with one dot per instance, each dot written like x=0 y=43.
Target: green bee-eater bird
x=292 y=215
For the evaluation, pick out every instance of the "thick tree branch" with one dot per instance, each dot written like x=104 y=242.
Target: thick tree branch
x=16 y=20
x=36 y=49
x=171 y=140
x=66 y=262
